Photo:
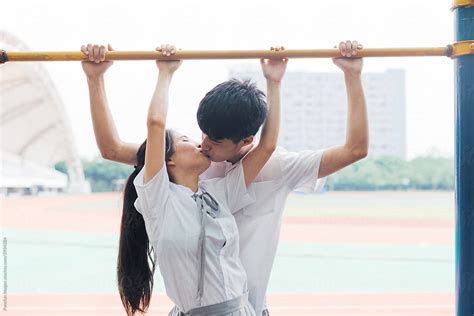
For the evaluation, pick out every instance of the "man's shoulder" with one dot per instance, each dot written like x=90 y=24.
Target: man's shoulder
x=215 y=170
x=281 y=154
x=284 y=154
x=279 y=151
x=272 y=169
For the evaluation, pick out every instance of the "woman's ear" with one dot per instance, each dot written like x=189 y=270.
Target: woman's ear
x=170 y=163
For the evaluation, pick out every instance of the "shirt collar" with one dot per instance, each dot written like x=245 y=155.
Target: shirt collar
x=188 y=191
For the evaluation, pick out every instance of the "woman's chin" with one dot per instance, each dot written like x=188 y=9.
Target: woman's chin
x=201 y=154
x=204 y=162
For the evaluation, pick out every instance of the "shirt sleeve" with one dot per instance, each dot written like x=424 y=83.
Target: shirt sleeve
x=151 y=200
x=238 y=194
x=232 y=188
x=215 y=170
x=300 y=170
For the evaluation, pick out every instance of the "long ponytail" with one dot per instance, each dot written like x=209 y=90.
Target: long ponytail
x=134 y=272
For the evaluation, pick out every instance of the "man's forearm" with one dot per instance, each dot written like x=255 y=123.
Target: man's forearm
x=270 y=130
x=254 y=161
x=105 y=132
x=357 y=135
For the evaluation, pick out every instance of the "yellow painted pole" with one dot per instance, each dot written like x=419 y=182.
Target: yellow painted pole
x=230 y=54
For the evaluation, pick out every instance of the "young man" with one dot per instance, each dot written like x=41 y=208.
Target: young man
x=228 y=132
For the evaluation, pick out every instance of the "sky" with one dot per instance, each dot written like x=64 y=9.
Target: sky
x=214 y=25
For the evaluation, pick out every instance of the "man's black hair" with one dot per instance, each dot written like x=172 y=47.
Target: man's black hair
x=234 y=109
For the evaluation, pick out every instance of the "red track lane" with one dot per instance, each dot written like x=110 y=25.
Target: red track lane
x=93 y=214
x=390 y=304
x=376 y=234
x=85 y=214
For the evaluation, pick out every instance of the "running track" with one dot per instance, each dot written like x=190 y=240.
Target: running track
x=100 y=214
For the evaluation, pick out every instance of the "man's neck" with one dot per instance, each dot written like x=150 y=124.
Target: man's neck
x=242 y=152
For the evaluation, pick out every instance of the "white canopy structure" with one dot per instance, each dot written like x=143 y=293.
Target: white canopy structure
x=35 y=130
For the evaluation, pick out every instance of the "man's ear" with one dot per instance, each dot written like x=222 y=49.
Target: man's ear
x=247 y=141
x=170 y=163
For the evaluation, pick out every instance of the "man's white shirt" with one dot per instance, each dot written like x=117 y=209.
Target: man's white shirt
x=259 y=223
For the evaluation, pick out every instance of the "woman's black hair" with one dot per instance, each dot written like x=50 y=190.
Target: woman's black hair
x=134 y=273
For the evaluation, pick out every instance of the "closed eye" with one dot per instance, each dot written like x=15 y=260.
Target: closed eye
x=215 y=142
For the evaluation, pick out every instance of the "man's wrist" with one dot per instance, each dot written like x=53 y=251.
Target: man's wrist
x=352 y=74
x=94 y=79
x=273 y=82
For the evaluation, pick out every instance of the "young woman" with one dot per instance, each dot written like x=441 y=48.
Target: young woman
x=188 y=224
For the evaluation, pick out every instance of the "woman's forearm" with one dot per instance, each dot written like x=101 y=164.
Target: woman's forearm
x=156 y=126
x=158 y=109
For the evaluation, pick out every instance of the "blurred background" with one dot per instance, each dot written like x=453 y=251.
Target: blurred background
x=379 y=239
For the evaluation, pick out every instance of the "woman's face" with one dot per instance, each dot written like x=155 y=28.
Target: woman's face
x=188 y=155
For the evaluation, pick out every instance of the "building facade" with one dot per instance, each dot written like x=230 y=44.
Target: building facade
x=314 y=110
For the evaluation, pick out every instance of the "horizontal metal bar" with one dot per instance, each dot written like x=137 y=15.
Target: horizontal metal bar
x=462 y=3
x=230 y=54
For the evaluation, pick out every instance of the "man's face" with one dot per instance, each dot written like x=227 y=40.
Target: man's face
x=220 y=150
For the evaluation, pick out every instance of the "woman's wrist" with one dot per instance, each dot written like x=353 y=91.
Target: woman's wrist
x=165 y=74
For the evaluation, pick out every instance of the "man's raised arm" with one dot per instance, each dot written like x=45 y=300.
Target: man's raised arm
x=110 y=145
x=356 y=145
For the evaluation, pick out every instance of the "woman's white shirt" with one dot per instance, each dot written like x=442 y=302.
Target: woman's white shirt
x=173 y=224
